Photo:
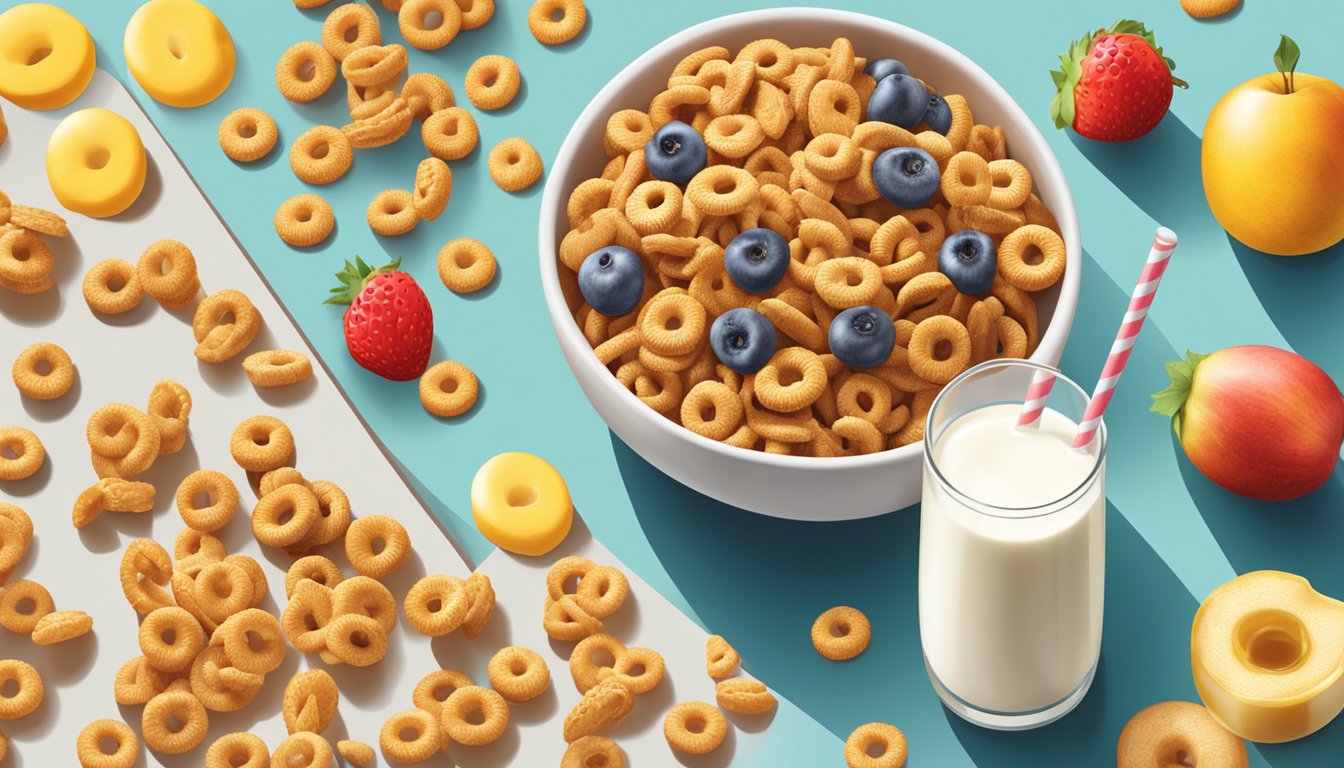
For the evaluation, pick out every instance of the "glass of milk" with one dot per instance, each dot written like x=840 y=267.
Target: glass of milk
x=1012 y=549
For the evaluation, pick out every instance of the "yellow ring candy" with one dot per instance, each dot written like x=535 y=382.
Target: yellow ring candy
x=179 y=52
x=521 y=503
x=46 y=56
x=96 y=163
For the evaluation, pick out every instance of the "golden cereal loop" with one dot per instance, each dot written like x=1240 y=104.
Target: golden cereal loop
x=745 y=697
x=695 y=727
x=277 y=368
x=567 y=621
x=282 y=476
x=721 y=659
x=238 y=750
x=435 y=688
x=940 y=349
x=832 y=157
x=315 y=568
x=27 y=687
x=875 y=745
x=514 y=165
x=294 y=502
x=466 y=265
x=841 y=633
x=305 y=71
x=436 y=605
x=848 y=282
x=640 y=669
x=654 y=206
x=673 y=324
x=602 y=591
x=167 y=271
x=804 y=372
x=967 y=181
x=604 y=705
x=356 y=753
x=392 y=213
x=333 y=508
x=44 y=283
x=381 y=126
x=448 y=389
x=22 y=529
x=303 y=750
x=411 y=736
x=169 y=410
x=25 y=258
x=174 y=708
x=864 y=396
x=261 y=444
x=356 y=640
x=1011 y=184
x=170 y=638
x=991 y=221
x=348 y=28
x=23 y=603
x=219 y=686
x=480 y=604
x=224 y=324
x=21 y=453
x=722 y=190
x=584 y=664
x=1036 y=213
x=832 y=107
x=553 y=22
x=247 y=134
x=492 y=82
x=94 y=738
x=461 y=705
x=412 y=20
x=252 y=640
x=377 y=545
x=1032 y=257
x=627 y=131
x=43 y=371
x=145 y=567
x=426 y=94
x=207 y=500
x=306 y=616
x=988 y=142
x=112 y=286
x=304 y=220
x=191 y=543
x=223 y=589
x=252 y=569
x=321 y=155
x=592 y=751
x=39 y=220
x=368 y=597
x=312 y=692
x=734 y=136
x=475 y=13
x=373 y=65
x=363 y=102
x=136 y=682
x=433 y=186
x=519 y=674
x=60 y=626
x=450 y=134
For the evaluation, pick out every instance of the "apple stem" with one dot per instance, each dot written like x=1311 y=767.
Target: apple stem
x=1285 y=60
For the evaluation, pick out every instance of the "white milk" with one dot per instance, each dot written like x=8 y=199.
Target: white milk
x=1011 y=570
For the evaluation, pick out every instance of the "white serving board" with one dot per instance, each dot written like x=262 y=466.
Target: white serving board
x=119 y=358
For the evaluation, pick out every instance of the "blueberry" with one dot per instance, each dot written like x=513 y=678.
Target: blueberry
x=906 y=176
x=757 y=259
x=743 y=339
x=675 y=153
x=938 y=116
x=969 y=260
x=862 y=337
x=899 y=100
x=612 y=280
x=880 y=68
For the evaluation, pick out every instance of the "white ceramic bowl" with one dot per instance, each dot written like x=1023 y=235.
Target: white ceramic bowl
x=801 y=488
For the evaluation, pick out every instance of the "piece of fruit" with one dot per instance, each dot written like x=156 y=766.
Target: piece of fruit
x=906 y=176
x=757 y=259
x=1113 y=84
x=969 y=259
x=862 y=337
x=1273 y=162
x=1258 y=421
x=880 y=68
x=898 y=99
x=389 y=324
x=938 y=115
x=611 y=280
x=675 y=153
x=743 y=339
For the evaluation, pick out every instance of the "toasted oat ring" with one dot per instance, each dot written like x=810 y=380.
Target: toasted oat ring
x=832 y=157
x=602 y=591
x=721 y=659
x=167 y=271
x=170 y=638
x=436 y=605
x=433 y=184
x=886 y=740
x=112 y=286
x=377 y=545
x=392 y=213
x=519 y=674
x=654 y=206
x=841 y=633
x=553 y=22
x=223 y=589
x=21 y=453
x=722 y=190
x=304 y=220
x=44 y=371
x=187 y=712
x=566 y=620
x=238 y=750
x=303 y=750
x=247 y=134
x=435 y=688
x=294 y=501
x=695 y=727
x=1027 y=242
x=277 y=368
x=584 y=665
x=145 y=566
x=315 y=568
x=799 y=366
x=833 y=107
x=413 y=19
x=306 y=617
x=475 y=13
x=469 y=699
x=847 y=282
x=90 y=749
x=940 y=349
x=466 y=265
x=673 y=324
x=414 y=735
x=356 y=639
x=592 y=752
x=514 y=165
x=220 y=497
x=492 y=82
x=564 y=571
x=321 y=155
x=368 y=597
x=734 y=136
x=169 y=410
x=24 y=257
x=373 y=65
x=333 y=508
x=261 y=444
x=640 y=669
x=218 y=340
x=23 y=603
x=348 y=28
x=305 y=71
x=711 y=409
x=450 y=134
x=1011 y=184
x=27 y=692
x=967 y=181
x=381 y=124
x=426 y=94
x=865 y=397
x=745 y=697
x=448 y=388
x=136 y=682
x=627 y=131
x=252 y=640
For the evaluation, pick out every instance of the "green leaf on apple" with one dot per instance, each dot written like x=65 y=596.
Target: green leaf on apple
x=1285 y=59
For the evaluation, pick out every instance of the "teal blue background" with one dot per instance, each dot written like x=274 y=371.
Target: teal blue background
x=1173 y=536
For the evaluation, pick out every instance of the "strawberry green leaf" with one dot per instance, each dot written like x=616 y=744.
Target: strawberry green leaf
x=354 y=277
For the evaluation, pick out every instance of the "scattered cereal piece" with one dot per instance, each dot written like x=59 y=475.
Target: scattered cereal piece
x=492 y=82
x=377 y=545
x=459 y=708
x=356 y=640
x=21 y=453
x=746 y=697
x=411 y=736
x=466 y=265
x=448 y=389
x=695 y=728
x=721 y=659
x=277 y=367
x=435 y=688
x=381 y=127
x=26 y=261
x=23 y=603
x=44 y=371
x=304 y=220
x=174 y=722
x=356 y=753
x=593 y=750
x=602 y=706
x=556 y=21
x=305 y=71
x=450 y=133
x=392 y=213
x=167 y=272
x=39 y=220
x=433 y=187
x=322 y=154
x=426 y=94
x=238 y=750
x=303 y=748
x=216 y=490
x=112 y=286
x=59 y=626
x=224 y=324
x=91 y=746
x=475 y=13
x=519 y=674
x=27 y=689
x=514 y=165
x=841 y=633
x=374 y=65
x=875 y=745
x=247 y=134
x=169 y=410
x=412 y=21
x=348 y=28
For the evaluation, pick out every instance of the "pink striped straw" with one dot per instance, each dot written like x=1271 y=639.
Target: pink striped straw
x=1041 y=384
x=1164 y=243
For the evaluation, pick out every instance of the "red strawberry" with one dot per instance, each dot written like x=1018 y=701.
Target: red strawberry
x=1114 y=84
x=389 y=324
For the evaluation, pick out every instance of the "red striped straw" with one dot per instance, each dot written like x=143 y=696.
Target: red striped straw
x=1041 y=384
x=1164 y=243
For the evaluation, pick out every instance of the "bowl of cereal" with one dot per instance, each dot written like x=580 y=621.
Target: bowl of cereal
x=792 y=255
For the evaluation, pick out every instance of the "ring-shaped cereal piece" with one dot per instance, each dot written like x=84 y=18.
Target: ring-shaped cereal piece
x=218 y=494
x=112 y=286
x=475 y=13
x=521 y=503
x=305 y=71
x=433 y=185
x=584 y=664
x=306 y=616
x=365 y=596
x=721 y=658
x=514 y=165
x=180 y=52
x=223 y=589
x=218 y=337
x=466 y=265
x=940 y=349
x=832 y=157
x=333 y=508
x=247 y=134
x=392 y=213
x=90 y=749
x=261 y=444
x=413 y=19
x=304 y=220
x=136 y=682
x=167 y=271
x=734 y=136
x=448 y=389
x=875 y=745
x=377 y=545
x=253 y=641
x=591 y=751
x=865 y=397
x=802 y=368
x=49 y=56
x=492 y=82
x=322 y=154
x=169 y=410
x=238 y=750
x=426 y=94
x=277 y=367
x=23 y=603
x=673 y=324
x=745 y=697
x=414 y=735
x=450 y=134
x=519 y=674
x=1176 y=732
x=465 y=701
x=553 y=22
x=356 y=639
x=294 y=501
x=303 y=750
x=722 y=190
x=145 y=566
x=348 y=28
x=695 y=727
x=373 y=65
x=841 y=633
x=315 y=568
x=565 y=571
x=712 y=409
x=21 y=453
x=25 y=257
x=833 y=107
x=1032 y=257
x=480 y=604
x=43 y=371
x=435 y=688
x=170 y=638
x=602 y=591
x=1011 y=184
x=654 y=206
x=851 y=281
x=641 y=669
x=627 y=131
x=966 y=181
x=174 y=708
x=436 y=605
x=28 y=689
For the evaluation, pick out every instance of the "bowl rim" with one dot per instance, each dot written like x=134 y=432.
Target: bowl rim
x=567 y=331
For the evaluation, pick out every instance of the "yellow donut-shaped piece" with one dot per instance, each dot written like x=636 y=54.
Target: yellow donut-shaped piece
x=521 y=503
x=46 y=56
x=180 y=52
x=96 y=163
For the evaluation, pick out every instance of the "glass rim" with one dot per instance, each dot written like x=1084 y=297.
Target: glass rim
x=1011 y=512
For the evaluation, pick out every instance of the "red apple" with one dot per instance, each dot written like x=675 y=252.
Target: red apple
x=1258 y=421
